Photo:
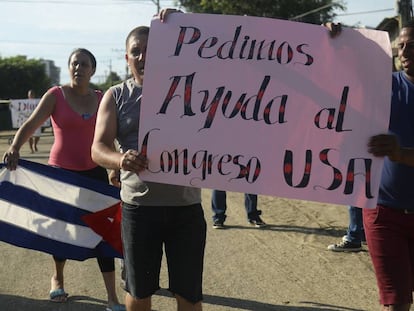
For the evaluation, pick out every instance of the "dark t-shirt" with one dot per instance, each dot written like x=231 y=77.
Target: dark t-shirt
x=397 y=180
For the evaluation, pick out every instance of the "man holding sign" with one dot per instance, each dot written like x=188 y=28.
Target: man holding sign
x=389 y=228
x=154 y=215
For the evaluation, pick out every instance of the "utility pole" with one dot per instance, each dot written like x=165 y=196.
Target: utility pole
x=405 y=10
x=110 y=71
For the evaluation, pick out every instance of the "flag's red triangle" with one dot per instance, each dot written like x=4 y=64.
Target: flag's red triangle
x=107 y=223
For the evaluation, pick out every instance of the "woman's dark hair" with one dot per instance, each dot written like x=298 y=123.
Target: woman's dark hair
x=141 y=30
x=84 y=51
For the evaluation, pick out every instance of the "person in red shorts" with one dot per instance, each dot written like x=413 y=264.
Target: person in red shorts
x=389 y=228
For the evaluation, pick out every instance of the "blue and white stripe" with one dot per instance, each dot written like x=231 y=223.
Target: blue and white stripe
x=41 y=208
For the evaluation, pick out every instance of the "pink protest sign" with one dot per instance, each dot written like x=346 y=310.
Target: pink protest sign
x=265 y=106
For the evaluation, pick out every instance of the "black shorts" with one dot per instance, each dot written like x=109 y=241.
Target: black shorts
x=182 y=232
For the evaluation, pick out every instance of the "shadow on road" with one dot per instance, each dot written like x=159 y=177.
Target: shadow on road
x=250 y=305
x=327 y=231
x=78 y=303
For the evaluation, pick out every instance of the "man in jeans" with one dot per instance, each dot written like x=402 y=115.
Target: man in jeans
x=355 y=235
x=219 y=206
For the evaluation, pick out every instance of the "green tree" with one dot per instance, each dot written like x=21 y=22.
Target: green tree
x=19 y=74
x=112 y=79
x=308 y=11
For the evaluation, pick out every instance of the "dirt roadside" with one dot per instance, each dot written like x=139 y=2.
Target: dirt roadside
x=284 y=267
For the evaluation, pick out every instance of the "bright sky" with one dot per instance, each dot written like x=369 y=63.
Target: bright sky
x=51 y=29
x=366 y=13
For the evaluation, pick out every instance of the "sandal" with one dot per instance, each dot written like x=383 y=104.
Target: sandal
x=58 y=295
x=116 y=308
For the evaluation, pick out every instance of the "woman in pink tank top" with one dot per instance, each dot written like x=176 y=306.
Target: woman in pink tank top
x=72 y=108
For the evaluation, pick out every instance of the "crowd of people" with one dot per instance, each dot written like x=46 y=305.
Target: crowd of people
x=86 y=125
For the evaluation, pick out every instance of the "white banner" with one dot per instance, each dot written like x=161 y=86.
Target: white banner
x=21 y=109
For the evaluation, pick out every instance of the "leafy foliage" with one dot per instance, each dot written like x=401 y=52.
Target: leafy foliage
x=19 y=74
x=112 y=79
x=281 y=9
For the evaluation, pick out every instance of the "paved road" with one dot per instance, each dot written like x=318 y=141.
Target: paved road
x=284 y=267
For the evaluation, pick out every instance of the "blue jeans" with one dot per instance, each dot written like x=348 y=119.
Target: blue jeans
x=219 y=206
x=355 y=233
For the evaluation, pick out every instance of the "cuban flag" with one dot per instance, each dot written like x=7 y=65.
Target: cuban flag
x=59 y=212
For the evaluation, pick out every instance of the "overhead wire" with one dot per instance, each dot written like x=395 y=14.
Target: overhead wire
x=365 y=12
x=108 y=2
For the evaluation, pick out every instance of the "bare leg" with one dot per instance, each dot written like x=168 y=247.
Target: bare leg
x=36 y=140
x=185 y=305
x=109 y=280
x=57 y=281
x=31 y=144
x=135 y=304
